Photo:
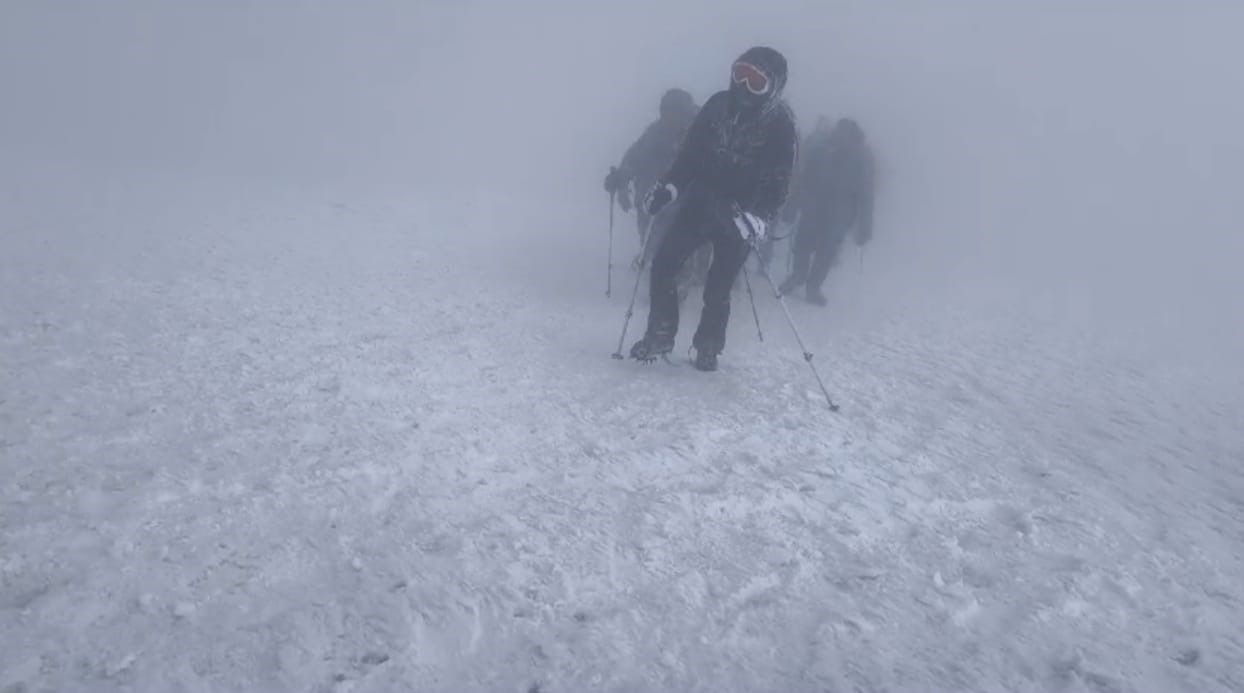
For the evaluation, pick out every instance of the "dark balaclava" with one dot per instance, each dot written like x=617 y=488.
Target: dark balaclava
x=773 y=65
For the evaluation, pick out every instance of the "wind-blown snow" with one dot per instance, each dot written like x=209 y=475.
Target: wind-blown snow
x=289 y=444
x=270 y=421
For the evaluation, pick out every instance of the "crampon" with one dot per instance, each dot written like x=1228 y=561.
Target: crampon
x=649 y=350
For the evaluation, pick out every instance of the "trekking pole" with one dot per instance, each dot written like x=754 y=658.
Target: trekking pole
x=752 y=299
x=790 y=252
x=639 y=275
x=609 y=281
x=807 y=355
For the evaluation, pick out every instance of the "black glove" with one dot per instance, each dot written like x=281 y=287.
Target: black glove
x=614 y=181
x=662 y=194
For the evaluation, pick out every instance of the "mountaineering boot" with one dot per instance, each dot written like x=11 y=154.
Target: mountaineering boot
x=650 y=347
x=705 y=361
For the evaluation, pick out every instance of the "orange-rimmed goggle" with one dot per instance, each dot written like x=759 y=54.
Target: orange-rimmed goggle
x=750 y=76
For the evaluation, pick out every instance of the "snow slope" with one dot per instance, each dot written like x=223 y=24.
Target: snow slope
x=275 y=439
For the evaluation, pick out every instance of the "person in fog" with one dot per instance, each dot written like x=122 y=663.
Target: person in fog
x=820 y=132
x=765 y=252
x=833 y=194
x=650 y=156
x=736 y=163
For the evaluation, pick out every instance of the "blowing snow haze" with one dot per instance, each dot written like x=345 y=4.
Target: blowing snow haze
x=1093 y=146
x=302 y=306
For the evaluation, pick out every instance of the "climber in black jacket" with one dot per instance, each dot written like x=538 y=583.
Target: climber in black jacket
x=737 y=160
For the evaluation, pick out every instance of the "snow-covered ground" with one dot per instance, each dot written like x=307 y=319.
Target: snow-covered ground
x=255 y=438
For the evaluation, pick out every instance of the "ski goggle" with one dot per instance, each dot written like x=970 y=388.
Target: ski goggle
x=750 y=76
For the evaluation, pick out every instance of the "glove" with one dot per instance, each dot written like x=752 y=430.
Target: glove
x=661 y=195
x=750 y=226
x=614 y=181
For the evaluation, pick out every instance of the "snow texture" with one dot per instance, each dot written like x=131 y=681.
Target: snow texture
x=280 y=440
x=305 y=375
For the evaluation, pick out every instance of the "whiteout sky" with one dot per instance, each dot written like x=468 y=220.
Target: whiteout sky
x=1094 y=147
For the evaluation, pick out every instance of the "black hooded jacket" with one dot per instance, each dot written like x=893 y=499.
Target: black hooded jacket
x=741 y=151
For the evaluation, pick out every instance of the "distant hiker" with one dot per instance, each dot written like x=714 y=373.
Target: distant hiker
x=832 y=195
x=644 y=162
x=652 y=154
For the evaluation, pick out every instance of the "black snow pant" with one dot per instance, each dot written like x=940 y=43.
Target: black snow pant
x=695 y=226
x=693 y=271
x=815 y=252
